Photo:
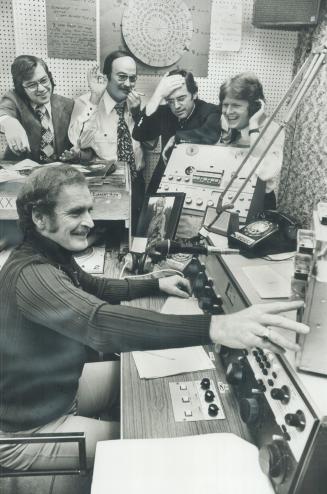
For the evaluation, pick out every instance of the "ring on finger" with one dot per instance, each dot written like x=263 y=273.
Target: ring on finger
x=267 y=337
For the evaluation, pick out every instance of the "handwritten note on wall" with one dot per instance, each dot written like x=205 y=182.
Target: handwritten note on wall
x=226 y=25
x=71 y=26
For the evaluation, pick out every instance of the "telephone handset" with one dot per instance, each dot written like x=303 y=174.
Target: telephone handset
x=272 y=232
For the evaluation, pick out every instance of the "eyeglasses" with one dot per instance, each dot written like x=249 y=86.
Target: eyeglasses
x=124 y=77
x=33 y=86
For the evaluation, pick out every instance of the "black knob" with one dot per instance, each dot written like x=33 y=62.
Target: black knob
x=205 y=383
x=273 y=459
x=282 y=394
x=209 y=395
x=235 y=373
x=296 y=420
x=206 y=300
x=199 y=284
x=249 y=410
x=213 y=410
x=192 y=269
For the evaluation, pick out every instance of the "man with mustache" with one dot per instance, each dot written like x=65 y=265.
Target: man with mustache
x=34 y=120
x=103 y=119
x=52 y=312
x=175 y=113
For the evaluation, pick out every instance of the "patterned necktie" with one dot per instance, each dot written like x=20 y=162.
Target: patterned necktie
x=46 y=143
x=124 y=142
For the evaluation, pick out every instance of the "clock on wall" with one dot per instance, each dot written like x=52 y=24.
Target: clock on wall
x=157 y=32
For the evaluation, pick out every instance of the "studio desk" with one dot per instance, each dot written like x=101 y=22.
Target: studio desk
x=264 y=399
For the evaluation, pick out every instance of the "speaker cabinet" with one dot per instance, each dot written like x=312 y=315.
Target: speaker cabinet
x=274 y=13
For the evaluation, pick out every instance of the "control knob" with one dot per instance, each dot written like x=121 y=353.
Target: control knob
x=296 y=420
x=249 y=410
x=235 y=373
x=273 y=459
x=213 y=409
x=206 y=301
x=205 y=383
x=282 y=394
x=209 y=395
x=199 y=284
x=192 y=269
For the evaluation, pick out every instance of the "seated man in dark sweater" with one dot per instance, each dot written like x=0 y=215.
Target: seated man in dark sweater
x=184 y=118
x=52 y=312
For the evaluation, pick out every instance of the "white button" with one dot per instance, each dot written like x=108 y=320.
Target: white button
x=188 y=413
x=188 y=200
x=210 y=203
x=183 y=387
x=199 y=202
x=185 y=399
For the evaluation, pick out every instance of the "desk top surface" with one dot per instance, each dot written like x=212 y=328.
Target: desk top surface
x=111 y=194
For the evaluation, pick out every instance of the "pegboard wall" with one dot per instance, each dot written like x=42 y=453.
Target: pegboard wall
x=268 y=53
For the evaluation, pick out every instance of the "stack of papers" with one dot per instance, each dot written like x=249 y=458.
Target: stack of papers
x=212 y=463
x=161 y=363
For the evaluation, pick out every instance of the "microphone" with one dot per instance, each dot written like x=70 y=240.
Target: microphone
x=166 y=247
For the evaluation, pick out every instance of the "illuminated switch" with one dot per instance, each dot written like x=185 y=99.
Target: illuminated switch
x=188 y=413
x=182 y=387
x=186 y=399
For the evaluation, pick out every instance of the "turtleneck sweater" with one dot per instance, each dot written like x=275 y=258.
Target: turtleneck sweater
x=51 y=311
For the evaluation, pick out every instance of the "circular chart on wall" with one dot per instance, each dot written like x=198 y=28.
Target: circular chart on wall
x=157 y=32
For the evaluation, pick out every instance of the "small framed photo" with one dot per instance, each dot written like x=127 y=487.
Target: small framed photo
x=158 y=219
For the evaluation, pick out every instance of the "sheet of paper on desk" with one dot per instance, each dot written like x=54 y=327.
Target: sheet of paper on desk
x=219 y=463
x=267 y=282
x=170 y=362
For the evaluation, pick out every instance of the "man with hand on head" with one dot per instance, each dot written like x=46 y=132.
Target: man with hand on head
x=175 y=113
x=52 y=311
x=34 y=120
x=103 y=120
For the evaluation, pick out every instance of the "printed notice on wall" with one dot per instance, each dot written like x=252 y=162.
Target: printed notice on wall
x=226 y=25
x=71 y=27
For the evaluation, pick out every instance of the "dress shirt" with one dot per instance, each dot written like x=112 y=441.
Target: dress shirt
x=269 y=168
x=96 y=127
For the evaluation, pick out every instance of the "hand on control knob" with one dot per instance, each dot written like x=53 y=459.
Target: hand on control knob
x=251 y=327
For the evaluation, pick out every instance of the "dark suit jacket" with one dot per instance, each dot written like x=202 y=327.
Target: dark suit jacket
x=61 y=108
x=202 y=127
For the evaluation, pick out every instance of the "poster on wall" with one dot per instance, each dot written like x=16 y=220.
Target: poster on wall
x=226 y=25
x=71 y=29
x=160 y=34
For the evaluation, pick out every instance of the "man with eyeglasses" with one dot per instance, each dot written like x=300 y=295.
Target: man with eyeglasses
x=103 y=120
x=34 y=120
x=175 y=113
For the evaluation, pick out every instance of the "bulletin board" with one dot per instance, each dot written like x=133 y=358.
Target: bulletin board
x=269 y=53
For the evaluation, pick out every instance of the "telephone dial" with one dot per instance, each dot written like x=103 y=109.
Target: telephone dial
x=271 y=233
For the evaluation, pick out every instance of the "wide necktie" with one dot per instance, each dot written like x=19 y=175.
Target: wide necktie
x=47 y=138
x=124 y=142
